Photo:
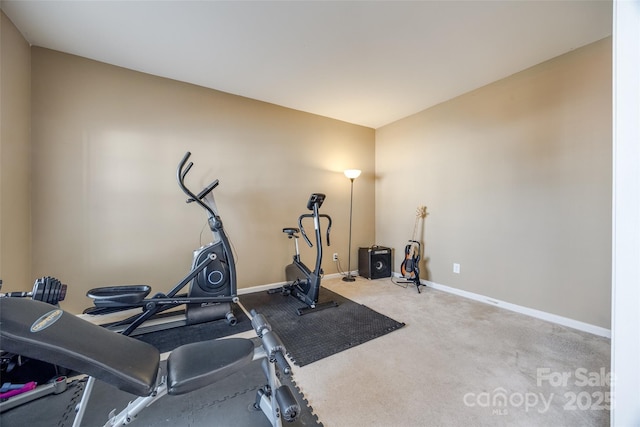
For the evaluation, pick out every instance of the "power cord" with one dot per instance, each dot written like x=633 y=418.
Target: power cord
x=339 y=268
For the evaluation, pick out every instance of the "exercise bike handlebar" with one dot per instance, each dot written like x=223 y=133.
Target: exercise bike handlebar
x=304 y=234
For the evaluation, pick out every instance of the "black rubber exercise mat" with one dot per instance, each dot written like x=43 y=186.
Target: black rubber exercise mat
x=169 y=339
x=228 y=403
x=320 y=334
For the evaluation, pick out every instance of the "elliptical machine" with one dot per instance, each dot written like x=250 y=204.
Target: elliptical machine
x=304 y=284
x=212 y=278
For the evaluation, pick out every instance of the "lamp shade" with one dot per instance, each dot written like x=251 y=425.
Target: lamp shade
x=352 y=173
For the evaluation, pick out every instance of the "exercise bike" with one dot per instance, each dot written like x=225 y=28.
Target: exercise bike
x=212 y=277
x=304 y=284
x=38 y=330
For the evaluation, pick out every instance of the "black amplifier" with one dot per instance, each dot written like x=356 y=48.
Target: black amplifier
x=374 y=262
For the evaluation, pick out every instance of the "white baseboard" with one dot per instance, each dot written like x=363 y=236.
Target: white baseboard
x=260 y=288
x=266 y=287
x=538 y=314
x=542 y=315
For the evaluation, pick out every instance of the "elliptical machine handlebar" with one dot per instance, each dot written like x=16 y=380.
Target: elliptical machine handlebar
x=206 y=200
x=206 y=190
x=182 y=174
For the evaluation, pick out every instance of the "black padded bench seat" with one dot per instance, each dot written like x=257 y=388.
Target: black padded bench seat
x=193 y=366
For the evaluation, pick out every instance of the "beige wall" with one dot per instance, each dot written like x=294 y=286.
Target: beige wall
x=107 y=208
x=517 y=180
x=516 y=177
x=15 y=162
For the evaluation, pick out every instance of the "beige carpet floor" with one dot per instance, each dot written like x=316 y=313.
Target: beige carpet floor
x=458 y=362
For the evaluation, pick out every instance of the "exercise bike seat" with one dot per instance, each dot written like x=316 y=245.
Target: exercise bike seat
x=291 y=232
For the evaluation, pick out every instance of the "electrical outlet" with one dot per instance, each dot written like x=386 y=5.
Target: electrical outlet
x=456 y=268
x=335 y=256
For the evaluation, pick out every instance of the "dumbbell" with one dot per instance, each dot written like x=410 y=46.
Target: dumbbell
x=46 y=289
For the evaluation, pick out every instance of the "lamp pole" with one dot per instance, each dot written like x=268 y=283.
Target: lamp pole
x=352 y=174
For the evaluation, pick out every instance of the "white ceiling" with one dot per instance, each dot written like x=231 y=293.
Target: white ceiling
x=363 y=62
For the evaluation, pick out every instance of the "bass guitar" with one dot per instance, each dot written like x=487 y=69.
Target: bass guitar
x=410 y=265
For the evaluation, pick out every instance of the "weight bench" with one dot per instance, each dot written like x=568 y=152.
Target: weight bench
x=39 y=331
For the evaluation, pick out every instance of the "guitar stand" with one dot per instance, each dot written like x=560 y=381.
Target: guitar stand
x=415 y=280
x=410 y=266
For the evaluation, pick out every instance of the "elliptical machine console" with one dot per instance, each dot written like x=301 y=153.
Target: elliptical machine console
x=304 y=283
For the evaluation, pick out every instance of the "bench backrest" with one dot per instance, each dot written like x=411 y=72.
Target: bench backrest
x=44 y=332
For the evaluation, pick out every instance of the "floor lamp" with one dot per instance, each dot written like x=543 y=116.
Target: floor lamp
x=352 y=174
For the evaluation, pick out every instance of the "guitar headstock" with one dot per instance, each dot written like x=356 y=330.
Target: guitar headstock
x=421 y=211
